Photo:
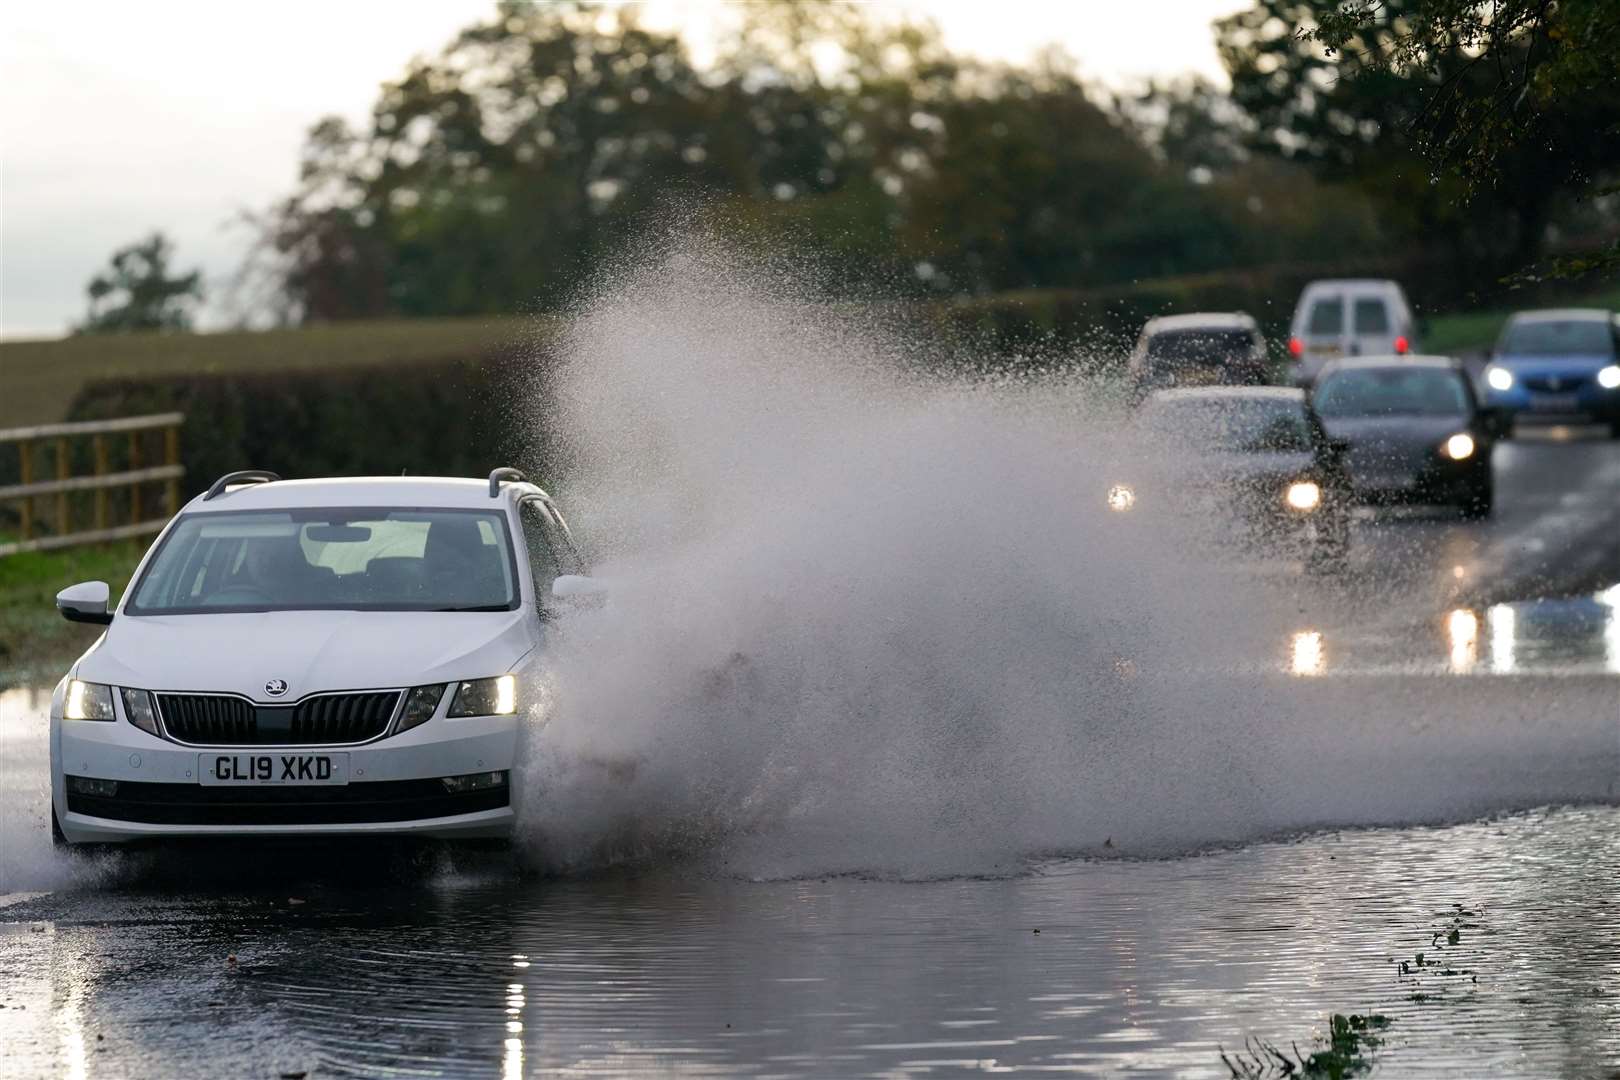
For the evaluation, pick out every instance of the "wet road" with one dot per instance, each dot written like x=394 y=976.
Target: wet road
x=1456 y=670
x=1109 y=967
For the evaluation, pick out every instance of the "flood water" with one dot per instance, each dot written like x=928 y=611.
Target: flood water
x=345 y=962
x=1110 y=967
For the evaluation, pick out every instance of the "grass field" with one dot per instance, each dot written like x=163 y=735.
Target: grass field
x=42 y=377
x=34 y=639
x=1471 y=331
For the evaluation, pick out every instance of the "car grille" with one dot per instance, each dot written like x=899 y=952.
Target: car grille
x=1554 y=384
x=326 y=719
x=350 y=804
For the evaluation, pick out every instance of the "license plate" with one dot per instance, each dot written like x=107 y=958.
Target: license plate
x=1331 y=352
x=1552 y=402
x=274 y=770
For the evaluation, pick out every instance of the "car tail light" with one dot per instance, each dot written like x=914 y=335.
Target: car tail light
x=1296 y=348
x=1401 y=345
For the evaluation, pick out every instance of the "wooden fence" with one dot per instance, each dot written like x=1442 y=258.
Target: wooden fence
x=52 y=526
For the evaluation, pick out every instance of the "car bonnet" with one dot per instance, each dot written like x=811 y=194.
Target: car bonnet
x=311 y=651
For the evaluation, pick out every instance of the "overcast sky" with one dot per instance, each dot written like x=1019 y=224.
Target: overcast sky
x=119 y=118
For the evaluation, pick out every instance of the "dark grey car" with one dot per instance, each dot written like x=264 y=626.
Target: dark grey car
x=1253 y=458
x=1412 y=429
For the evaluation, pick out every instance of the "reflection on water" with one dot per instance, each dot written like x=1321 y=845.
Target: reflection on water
x=1101 y=966
x=1462 y=629
x=1307 y=653
x=1504 y=631
x=1579 y=631
x=1576 y=635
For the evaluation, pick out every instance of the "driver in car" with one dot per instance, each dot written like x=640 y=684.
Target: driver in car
x=276 y=567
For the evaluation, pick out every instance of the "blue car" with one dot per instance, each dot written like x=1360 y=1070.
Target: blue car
x=1558 y=366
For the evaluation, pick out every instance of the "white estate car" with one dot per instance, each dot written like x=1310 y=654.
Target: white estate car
x=340 y=656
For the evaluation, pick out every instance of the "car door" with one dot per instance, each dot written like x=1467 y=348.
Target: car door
x=1372 y=325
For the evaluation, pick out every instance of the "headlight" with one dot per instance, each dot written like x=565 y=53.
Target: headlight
x=420 y=705
x=486 y=697
x=1499 y=378
x=138 y=707
x=88 y=701
x=1121 y=498
x=1609 y=377
x=1303 y=495
x=1459 y=446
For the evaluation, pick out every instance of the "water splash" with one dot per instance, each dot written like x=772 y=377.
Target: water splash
x=866 y=622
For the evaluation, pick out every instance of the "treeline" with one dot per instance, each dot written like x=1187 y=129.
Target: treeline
x=495 y=176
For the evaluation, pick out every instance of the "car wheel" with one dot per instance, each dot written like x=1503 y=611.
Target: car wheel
x=57 y=839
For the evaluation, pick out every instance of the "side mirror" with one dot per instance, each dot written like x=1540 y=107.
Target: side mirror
x=572 y=586
x=85 y=602
x=576 y=592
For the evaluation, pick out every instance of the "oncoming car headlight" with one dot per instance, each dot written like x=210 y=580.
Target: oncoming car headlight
x=1609 y=377
x=1499 y=378
x=1459 y=446
x=1303 y=495
x=88 y=701
x=485 y=697
x=1121 y=498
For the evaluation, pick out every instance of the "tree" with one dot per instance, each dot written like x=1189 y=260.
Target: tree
x=493 y=175
x=1550 y=89
x=1481 y=122
x=137 y=293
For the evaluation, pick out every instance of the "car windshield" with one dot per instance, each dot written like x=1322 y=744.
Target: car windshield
x=1169 y=348
x=1327 y=316
x=1556 y=337
x=1372 y=316
x=1245 y=425
x=355 y=559
x=1386 y=391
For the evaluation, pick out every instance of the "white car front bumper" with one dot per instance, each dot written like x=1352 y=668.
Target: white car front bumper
x=395 y=785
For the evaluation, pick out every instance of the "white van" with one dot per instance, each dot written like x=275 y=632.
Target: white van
x=1349 y=317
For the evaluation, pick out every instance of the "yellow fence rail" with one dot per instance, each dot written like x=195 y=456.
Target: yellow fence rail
x=45 y=498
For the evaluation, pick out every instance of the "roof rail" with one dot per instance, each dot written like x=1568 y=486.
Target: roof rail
x=244 y=476
x=503 y=473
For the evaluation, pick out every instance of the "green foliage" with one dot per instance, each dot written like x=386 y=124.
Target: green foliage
x=42 y=378
x=31 y=630
x=454 y=418
x=502 y=174
x=1346 y=1051
x=136 y=291
x=1478 y=123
